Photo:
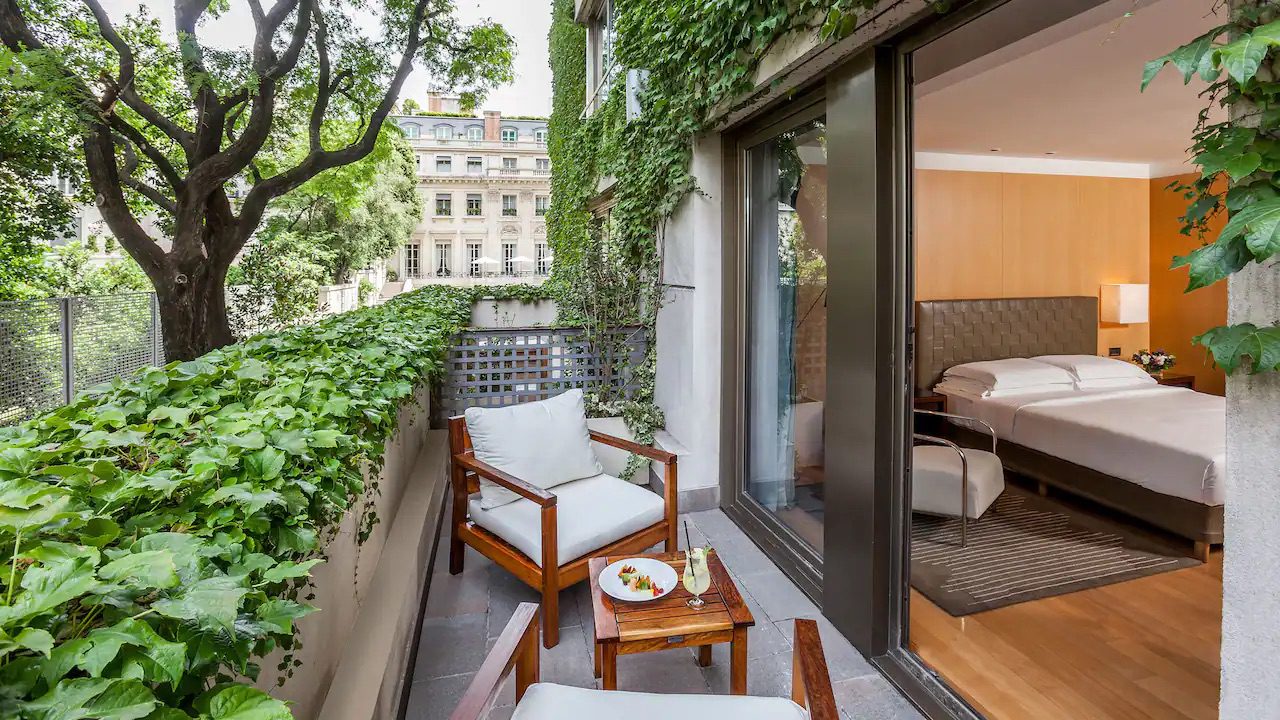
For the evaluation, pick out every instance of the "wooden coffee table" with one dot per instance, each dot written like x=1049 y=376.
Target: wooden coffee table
x=623 y=628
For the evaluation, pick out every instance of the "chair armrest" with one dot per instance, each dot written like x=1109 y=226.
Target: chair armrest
x=810 y=677
x=516 y=647
x=986 y=426
x=506 y=480
x=647 y=451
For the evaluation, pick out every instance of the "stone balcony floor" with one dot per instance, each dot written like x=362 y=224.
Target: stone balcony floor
x=466 y=613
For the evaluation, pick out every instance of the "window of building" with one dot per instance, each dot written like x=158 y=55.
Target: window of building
x=540 y=135
x=543 y=165
x=473 y=254
x=475 y=165
x=509 y=205
x=540 y=205
x=508 y=258
x=601 y=35
x=444 y=133
x=475 y=133
x=475 y=204
x=509 y=165
x=444 y=204
x=510 y=134
x=411 y=266
x=412 y=131
x=542 y=254
x=442 y=259
x=444 y=164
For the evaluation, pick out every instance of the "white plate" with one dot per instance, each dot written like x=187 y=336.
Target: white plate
x=661 y=573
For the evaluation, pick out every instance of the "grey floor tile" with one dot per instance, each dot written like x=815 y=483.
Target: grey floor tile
x=668 y=671
x=843 y=660
x=436 y=699
x=463 y=594
x=776 y=595
x=565 y=664
x=506 y=593
x=768 y=676
x=872 y=698
x=450 y=646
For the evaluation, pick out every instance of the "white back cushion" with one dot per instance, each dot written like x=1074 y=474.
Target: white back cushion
x=1011 y=373
x=544 y=443
x=1093 y=367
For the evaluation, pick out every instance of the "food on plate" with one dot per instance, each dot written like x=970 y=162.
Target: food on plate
x=636 y=582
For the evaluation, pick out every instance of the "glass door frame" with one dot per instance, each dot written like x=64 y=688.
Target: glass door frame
x=780 y=543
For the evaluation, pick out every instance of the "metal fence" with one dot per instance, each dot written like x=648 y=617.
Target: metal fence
x=52 y=349
x=496 y=367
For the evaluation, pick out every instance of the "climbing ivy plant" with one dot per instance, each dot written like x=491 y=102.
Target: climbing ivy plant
x=699 y=57
x=1239 y=162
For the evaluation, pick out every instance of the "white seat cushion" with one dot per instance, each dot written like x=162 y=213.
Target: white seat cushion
x=590 y=513
x=545 y=701
x=935 y=480
x=543 y=443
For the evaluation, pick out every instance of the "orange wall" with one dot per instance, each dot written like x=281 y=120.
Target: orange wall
x=991 y=235
x=1177 y=316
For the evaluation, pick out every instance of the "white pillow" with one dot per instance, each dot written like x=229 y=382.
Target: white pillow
x=544 y=443
x=1093 y=367
x=976 y=389
x=1011 y=373
x=1116 y=383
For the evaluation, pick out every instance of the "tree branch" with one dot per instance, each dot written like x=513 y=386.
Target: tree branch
x=130 y=179
x=123 y=88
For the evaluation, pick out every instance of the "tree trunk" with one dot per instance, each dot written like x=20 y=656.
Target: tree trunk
x=193 y=310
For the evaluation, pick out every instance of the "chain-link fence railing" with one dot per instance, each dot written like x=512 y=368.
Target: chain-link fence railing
x=52 y=349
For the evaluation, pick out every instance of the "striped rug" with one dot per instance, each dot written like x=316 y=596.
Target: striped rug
x=1026 y=547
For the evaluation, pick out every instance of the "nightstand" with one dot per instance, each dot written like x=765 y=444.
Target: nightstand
x=931 y=401
x=1175 y=380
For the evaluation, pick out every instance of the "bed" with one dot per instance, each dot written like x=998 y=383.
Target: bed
x=1153 y=452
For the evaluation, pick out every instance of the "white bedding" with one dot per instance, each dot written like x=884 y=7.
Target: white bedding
x=1170 y=440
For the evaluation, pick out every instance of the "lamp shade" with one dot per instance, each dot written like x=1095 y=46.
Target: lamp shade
x=1125 y=303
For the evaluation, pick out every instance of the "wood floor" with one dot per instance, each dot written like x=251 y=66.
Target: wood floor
x=1146 y=649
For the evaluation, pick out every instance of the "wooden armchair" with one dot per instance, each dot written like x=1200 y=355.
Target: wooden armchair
x=551 y=572
x=517 y=649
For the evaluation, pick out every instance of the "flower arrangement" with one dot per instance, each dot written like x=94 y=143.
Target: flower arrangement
x=1154 y=361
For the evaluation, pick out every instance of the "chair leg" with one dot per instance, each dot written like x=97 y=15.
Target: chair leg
x=550 y=615
x=457 y=551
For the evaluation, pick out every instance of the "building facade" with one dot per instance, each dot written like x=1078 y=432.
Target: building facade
x=486 y=186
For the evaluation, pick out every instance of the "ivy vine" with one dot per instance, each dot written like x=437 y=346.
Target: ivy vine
x=699 y=56
x=1239 y=163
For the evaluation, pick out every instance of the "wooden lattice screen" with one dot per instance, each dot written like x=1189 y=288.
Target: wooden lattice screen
x=497 y=367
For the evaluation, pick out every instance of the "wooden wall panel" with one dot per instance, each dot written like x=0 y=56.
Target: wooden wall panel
x=1015 y=235
x=960 y=214
x=1176 y=316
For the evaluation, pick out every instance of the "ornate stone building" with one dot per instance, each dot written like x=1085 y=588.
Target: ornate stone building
x=486 y=186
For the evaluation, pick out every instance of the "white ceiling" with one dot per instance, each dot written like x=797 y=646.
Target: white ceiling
x=1073 y=90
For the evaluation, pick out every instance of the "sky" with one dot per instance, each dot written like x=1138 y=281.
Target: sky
x=528 y=21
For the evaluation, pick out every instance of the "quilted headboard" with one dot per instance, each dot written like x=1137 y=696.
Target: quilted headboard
x=951 y=332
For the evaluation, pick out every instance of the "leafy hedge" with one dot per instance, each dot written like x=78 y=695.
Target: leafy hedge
x=162 y=530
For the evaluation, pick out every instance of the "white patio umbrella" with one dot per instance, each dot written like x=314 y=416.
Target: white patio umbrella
x=486 y=260
x=521 y=259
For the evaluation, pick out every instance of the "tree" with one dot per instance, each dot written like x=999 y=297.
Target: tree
x=35 y=149
x=358 y=214
x=186 y=127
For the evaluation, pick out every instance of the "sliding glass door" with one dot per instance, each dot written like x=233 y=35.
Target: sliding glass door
x=786 y=318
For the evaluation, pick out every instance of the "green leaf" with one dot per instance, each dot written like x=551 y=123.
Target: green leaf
x=149 y=569
x=1213 y=262
x=243 y=494
x=1231 y=344
x=124 y=700
x=48 y=586
x=294 y=539
x=1259 y=224
x=212 y=601
x=105 y=643
x=1243 y=165
x=278 y=615
x=176 y=415
x=241 y=702
x=1242 y=58
x=289 y=569
x=266 y=463
x=36 y=640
